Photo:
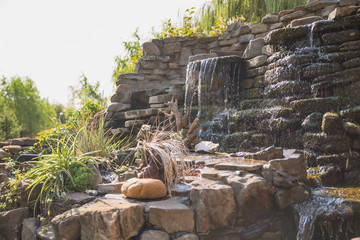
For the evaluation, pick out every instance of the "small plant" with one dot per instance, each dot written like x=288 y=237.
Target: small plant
x=83 y=178
x=93 y=138
x=9 y=198
x=162 y=152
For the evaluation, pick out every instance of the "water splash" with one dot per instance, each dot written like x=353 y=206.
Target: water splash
x=327 y=212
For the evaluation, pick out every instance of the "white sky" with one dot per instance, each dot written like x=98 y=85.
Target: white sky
x=54 y=41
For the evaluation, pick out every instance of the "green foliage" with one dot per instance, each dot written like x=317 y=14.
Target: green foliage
x=9 y=125
x=22 y=97
x=52 y=171
x=93 y=138
x=86 y=91
x=127 y=63
x=82 y=178
x=9 y=197
x=169 y=29
x=251 y=10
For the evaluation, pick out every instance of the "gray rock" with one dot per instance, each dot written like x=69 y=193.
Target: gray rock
x=106 y=188
x=256 y=61
x=3 y=154
x=351 y=128
x=11 y=223
x=117 y=107
x=266 y=154
x=123 y=88
x=135 y=114
x=202 y=56
x=187 y=236
x=259 y=28
x=108 y=219
x=150 y=48
x=270 y=18
x=325 y=143
x=184 y=56
x=314 y=5
x=122 y=97
x=243 y=29
x=280 y=36
x=154 y=234
x=70 y=200
x=246 y=38
x=45 y=232
x=66 y=226
x=29 y=229
x=254 y=196
x=330 y=123
x=304 y=21
x=291 y=16
x=285 y=172
x=171 y=215
x=254 y=48
x=340 y=37
x=285 y=197
x=23 y=141
x=312 y=122
x=12 y=148
x=4 y=178
x=214 y=207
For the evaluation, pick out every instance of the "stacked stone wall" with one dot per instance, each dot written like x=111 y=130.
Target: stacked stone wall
x=301 y=63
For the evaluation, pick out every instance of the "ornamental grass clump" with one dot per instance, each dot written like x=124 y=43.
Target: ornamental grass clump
x=162 y=154
x=53 y=171
x=94 y=139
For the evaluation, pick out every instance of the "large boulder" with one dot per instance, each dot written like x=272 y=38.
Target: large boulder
x=11 y=223
x=66 y=226
x=254 y=196
x=145 y=188
x=108 y=219
x=214 y=207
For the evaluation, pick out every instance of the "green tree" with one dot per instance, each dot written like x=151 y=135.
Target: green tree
x=9 y=125
x=22 y=97
x=127 y=63
x=86 y=90
x=86 y=100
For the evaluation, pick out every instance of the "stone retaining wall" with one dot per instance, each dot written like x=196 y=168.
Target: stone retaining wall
x=301 y=63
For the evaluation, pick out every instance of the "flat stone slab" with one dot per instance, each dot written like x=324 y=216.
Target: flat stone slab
x=106 y=188
x=140 y=113
x=239 y=166
x=181 y=190
x=171 y=215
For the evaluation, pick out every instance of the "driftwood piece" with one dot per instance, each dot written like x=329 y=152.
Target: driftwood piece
x=181 y=121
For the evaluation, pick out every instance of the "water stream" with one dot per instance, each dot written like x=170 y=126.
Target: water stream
x=329 y=213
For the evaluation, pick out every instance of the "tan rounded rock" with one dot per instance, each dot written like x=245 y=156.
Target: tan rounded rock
x=144 y=188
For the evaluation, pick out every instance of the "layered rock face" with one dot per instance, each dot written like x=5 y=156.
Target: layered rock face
x=290 y=81
x=296 y=66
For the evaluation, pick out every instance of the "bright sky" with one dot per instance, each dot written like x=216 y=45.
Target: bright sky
x=54 y=41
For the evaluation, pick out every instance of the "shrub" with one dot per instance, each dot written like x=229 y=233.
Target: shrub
x=82 y=178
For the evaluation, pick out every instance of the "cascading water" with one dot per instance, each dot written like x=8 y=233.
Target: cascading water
x=212 y=90
x=325 y=215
